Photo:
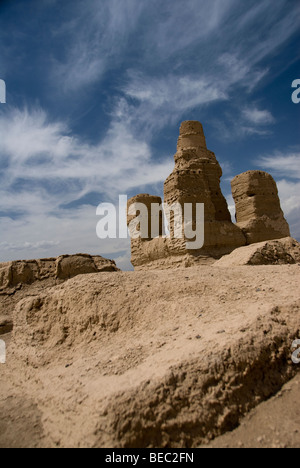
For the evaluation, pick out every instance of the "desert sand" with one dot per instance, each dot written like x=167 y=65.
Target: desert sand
x=165 y=358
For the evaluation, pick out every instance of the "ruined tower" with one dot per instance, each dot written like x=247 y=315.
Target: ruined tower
x=196 y=180
x=258 y=211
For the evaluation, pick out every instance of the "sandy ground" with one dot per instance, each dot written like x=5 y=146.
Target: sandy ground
x=185 y=358
x=272 y=424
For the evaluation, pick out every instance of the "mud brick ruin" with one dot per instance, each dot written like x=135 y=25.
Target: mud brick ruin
x=196 y=179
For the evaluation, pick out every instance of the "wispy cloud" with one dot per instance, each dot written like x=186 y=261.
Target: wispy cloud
x=162 y=101
x=202 y=44
x=189 y=91
x=46 y=169
x=154 y=63
x=282 y=164
x=258 y=116
x=95 y=40
x=40 y=245
x=236 y=127
x=36 y=149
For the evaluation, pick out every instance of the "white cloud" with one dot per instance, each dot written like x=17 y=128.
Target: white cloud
x=45 y=168
x=166 y=60
x=283 y=164
x=258 y=117
x=239 y=71
x=37 y=149
x=95 y=39
x=123 y=262
x=232 y=129
x=290 y=195
x=159 y=40
x=25 y=246
x=162 y=101
x=177 y=30
x=68 y=232
x=251 y=121
x=189 y=92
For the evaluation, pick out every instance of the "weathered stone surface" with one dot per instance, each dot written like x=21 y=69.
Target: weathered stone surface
x=197 y=173
x=25 y=277
x=195 y=179
x=274 y=252
x=148 y=201
x=68 y=266
x=258 y=211
x=63 y=267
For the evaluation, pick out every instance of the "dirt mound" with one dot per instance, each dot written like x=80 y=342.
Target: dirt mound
x=203 y=397
x=274 y=423
x=150 y=359
x=29 y=277
x=276 y=252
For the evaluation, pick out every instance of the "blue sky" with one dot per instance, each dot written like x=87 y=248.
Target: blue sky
x=97 y=89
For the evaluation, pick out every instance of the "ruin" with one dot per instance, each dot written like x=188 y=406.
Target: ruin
x=196 y=179
x=63 y=267
x=22 y=278
x=258 y=211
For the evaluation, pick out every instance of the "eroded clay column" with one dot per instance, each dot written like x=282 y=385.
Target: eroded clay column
x=151 y=215
x=258 y=210
x=191 y=135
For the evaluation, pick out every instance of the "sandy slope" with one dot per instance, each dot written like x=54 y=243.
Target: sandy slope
x=150 y=359
x=274 y=423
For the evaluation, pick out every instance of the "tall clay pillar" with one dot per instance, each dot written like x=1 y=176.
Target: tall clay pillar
x=258 y=210
x=196 y=179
